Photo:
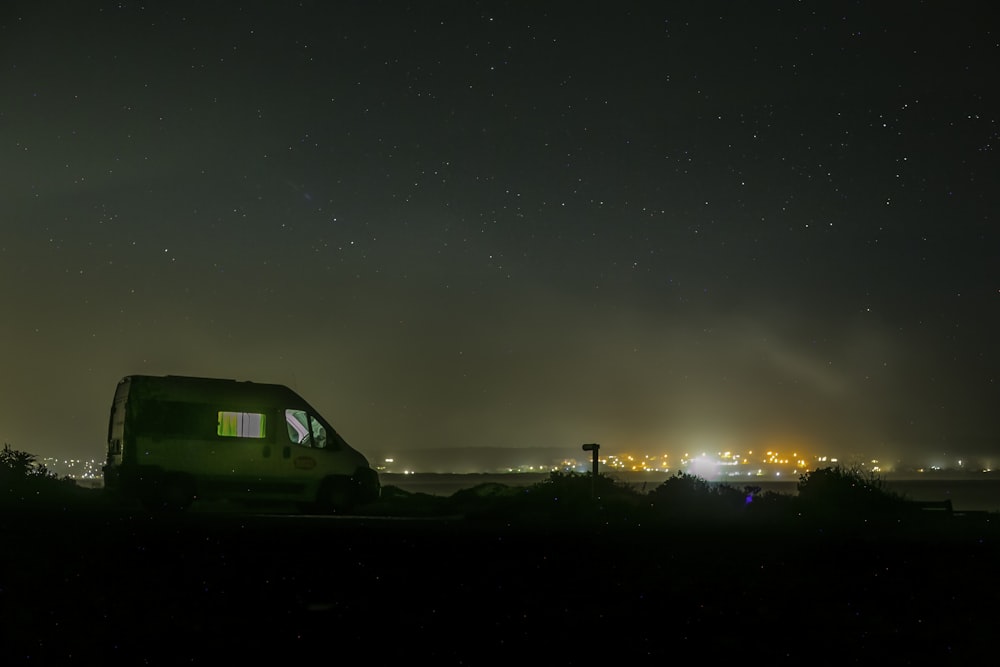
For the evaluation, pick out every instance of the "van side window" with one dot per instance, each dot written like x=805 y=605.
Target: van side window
x=318 y=432
x=304 y=429
x=242 y=424
x=172 y=419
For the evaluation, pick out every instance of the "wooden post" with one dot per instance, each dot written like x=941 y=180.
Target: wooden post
x=592 y=448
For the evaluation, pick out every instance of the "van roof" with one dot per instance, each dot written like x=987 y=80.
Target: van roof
x=179 y=387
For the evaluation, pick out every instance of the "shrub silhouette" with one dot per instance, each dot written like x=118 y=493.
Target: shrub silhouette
x=770 y=507
x=686 y=496
x=569 y=497
x=394 y=501
x=562 y=496
x=482 y=499
x=25 y=481
x=20 y=467
x=846 y=494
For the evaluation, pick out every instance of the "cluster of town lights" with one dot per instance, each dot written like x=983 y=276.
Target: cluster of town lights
x=771 y=463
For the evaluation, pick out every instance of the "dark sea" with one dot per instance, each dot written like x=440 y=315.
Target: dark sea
x=967 y=493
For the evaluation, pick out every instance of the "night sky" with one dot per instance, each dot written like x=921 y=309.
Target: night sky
x=663 y=227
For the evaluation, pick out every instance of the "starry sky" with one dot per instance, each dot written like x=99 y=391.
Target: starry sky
x=663 y=227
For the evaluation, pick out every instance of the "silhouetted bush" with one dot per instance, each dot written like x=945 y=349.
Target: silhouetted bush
x=482 y=500
x=686 y=496
x=26 y=482
x=828 y=495
x=17 y=467
x=770 y=507
x=394 y=501
x=563 y=497
x=846 y=495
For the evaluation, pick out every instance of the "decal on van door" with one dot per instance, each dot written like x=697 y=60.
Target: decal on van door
x=305 y=462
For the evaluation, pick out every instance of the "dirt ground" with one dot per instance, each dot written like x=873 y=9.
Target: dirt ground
x=130 y=588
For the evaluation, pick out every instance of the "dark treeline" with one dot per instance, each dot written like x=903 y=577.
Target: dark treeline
x=835 y=497
x=830 y=498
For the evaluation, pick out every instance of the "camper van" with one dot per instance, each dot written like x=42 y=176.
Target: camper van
x=173 y=440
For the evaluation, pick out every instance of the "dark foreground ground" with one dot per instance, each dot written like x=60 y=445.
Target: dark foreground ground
x=105 y=587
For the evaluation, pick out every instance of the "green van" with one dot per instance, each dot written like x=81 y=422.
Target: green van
x=174 y=439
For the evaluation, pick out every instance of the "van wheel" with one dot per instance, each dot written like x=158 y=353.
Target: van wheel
x=334 y=496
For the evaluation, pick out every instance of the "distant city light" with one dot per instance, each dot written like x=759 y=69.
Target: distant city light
x=717 y=467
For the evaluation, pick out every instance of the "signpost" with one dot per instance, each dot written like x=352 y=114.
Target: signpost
x=592 y=448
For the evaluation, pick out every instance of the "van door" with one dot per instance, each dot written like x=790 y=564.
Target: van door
x=311 y=450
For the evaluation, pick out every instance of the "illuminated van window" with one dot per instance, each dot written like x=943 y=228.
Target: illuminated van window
x=304 y=429
x=319 y=434
x=241 y=424
x=298 y=427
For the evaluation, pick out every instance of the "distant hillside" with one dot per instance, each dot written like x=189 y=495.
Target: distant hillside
x=474 y=459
